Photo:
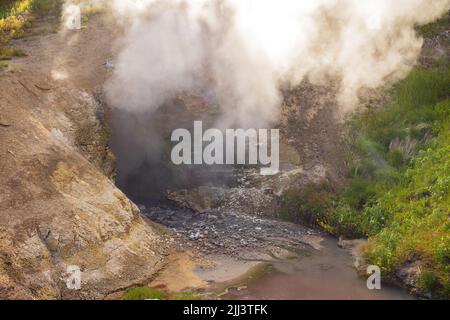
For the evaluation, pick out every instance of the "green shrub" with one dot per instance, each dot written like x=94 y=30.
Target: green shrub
x=46 y=6
x=143 y=293
x=307 y=206
x=360 y=191
x=8 y=53
x=343 y=220
x=146 y=293
x=16 y=16
x=185 y=296
x=5 y=7
x=429 y=282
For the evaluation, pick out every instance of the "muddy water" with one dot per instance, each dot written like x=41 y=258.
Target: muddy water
x=261 y=259
x=327 y=274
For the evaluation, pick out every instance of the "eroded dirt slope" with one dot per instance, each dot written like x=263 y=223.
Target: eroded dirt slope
x=58 y=205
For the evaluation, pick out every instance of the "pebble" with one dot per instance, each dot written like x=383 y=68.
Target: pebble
x=230 y=234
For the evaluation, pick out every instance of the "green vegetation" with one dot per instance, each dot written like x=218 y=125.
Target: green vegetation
x=432 y=29
x=389 y=145
x=185 y=296
x=398 y=194
x=415 y=212
x=13 y=7
x=307 y=206
x=398 y=190
x=144 y=293
x=7 y=53
x=45 y=6
x=16 y=16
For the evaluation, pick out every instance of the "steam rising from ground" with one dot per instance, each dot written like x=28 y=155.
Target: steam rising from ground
x=245 y=49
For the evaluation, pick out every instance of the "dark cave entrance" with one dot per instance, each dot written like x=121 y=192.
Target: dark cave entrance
x=142 y=146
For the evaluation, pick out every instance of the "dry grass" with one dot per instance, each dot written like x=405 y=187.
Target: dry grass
x=15 y=17
x=7 y=53
x=13 y=22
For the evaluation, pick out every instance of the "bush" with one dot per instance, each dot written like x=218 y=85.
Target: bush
x=429 y=281
x=16 y=16
x=185 y=296
x=46 y=6
x=8 y=53
x=307 y=206
x=343 y=220
x=143 y=293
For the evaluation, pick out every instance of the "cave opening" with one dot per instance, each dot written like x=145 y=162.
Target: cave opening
x=141 y=143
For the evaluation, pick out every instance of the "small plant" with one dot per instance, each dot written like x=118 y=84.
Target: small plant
x=307 y=206
x=45 y=6
x=146 y=293
x=185 y=296
x=143 y=293
x=343 y=220
x=429 y=281
x=8 y=53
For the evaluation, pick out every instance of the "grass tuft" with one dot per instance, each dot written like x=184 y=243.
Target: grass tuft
x=8 y=53
x=185 y=296
x=143 y=293
x=146 y=293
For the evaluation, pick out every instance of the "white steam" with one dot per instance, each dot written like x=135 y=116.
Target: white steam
x=242 y=50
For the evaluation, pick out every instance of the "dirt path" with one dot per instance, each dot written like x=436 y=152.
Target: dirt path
x=69 y=57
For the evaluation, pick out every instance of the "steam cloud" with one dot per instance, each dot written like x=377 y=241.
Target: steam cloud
x=244 y=49
x=238 y=54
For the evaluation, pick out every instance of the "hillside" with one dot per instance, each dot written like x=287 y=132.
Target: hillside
x=87 y=181
x=58 y=203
